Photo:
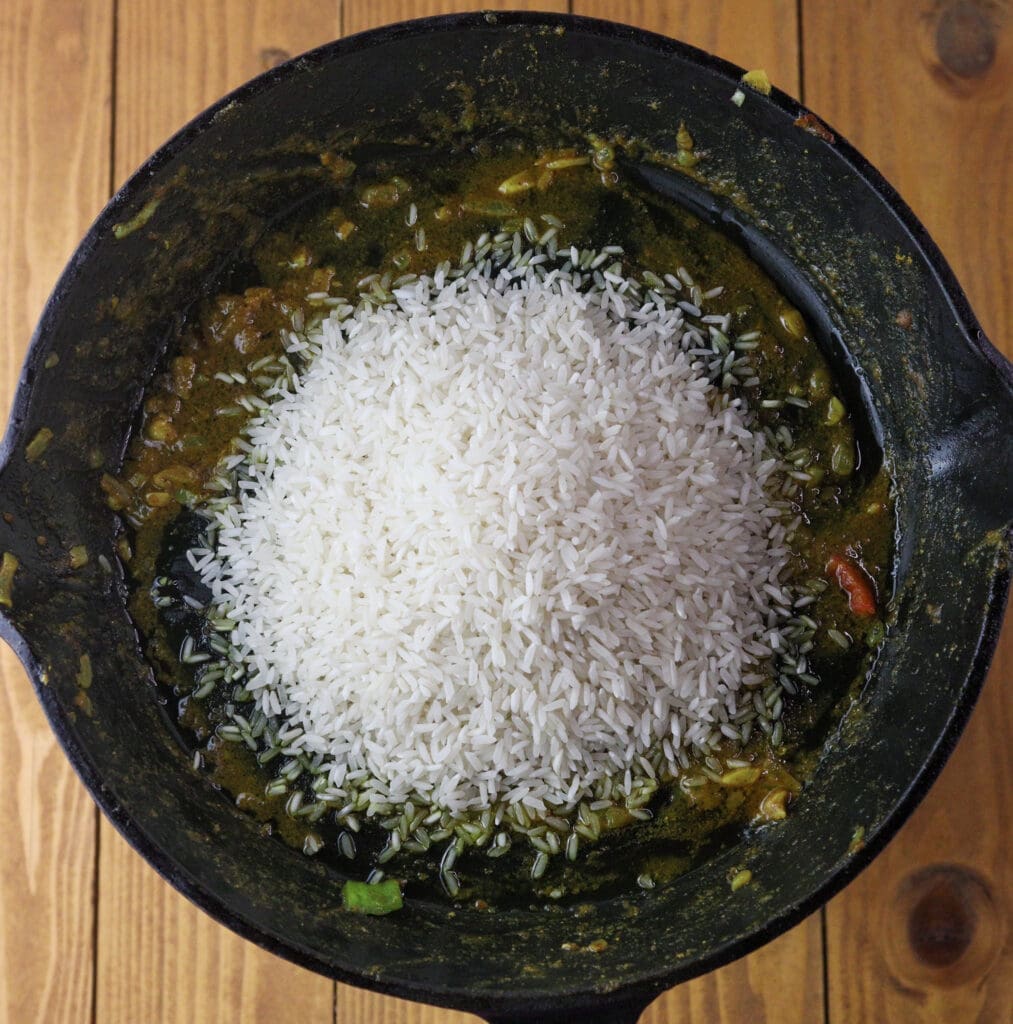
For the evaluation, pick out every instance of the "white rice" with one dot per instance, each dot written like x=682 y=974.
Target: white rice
x=500 y=541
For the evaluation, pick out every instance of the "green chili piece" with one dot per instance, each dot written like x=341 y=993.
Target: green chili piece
x=375 y=898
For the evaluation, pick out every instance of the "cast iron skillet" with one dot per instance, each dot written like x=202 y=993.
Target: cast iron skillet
x=834 y=234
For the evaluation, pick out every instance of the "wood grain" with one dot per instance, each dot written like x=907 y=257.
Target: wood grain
x=750 y=33
x=926 y=934
x=357 y=1006
x=55 y=81
x=159 y=959
x=781 y=983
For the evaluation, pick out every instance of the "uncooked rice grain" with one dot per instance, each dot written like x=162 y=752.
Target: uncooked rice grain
x=499 y=541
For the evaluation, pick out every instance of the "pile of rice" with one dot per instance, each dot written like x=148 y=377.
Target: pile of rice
x=499 y=541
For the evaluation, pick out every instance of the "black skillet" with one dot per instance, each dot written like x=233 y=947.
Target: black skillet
x=829 y=229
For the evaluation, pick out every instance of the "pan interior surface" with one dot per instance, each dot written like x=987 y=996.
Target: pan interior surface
x=817 y=218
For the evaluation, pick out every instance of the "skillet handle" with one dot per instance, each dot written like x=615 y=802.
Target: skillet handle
x=621 y=1010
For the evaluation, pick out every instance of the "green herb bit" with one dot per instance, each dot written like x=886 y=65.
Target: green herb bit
x=8 y=568
x=857 y=839
x=488 y=208
x=522 y=181
x=376 y=898
x=78 y=556
x=141 y=218
x=565 y=162
x=84 y=675
x=38 y=444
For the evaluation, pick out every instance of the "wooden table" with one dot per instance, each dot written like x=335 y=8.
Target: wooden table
x=88 y=932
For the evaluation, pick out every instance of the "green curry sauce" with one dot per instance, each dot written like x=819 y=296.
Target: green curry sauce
x=359 y=228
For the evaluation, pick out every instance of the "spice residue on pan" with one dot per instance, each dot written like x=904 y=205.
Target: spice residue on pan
x=358 y=268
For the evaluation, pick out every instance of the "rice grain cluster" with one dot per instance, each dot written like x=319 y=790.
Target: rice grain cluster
x=499 y=540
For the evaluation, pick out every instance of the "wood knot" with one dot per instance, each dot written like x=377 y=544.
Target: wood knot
x=945 y=929
x=942 y=922
x=966 y=39
x=272 y=56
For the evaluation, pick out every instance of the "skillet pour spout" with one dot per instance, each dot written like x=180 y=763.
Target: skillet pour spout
x=973 y=451
x=895 y=324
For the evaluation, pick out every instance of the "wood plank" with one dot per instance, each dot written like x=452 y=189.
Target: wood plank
x=753 y=35
x=363 y=14
x=760 y=34
x=159 y=958
x=919 y=936
x=55 y=80
x=357 y=1006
